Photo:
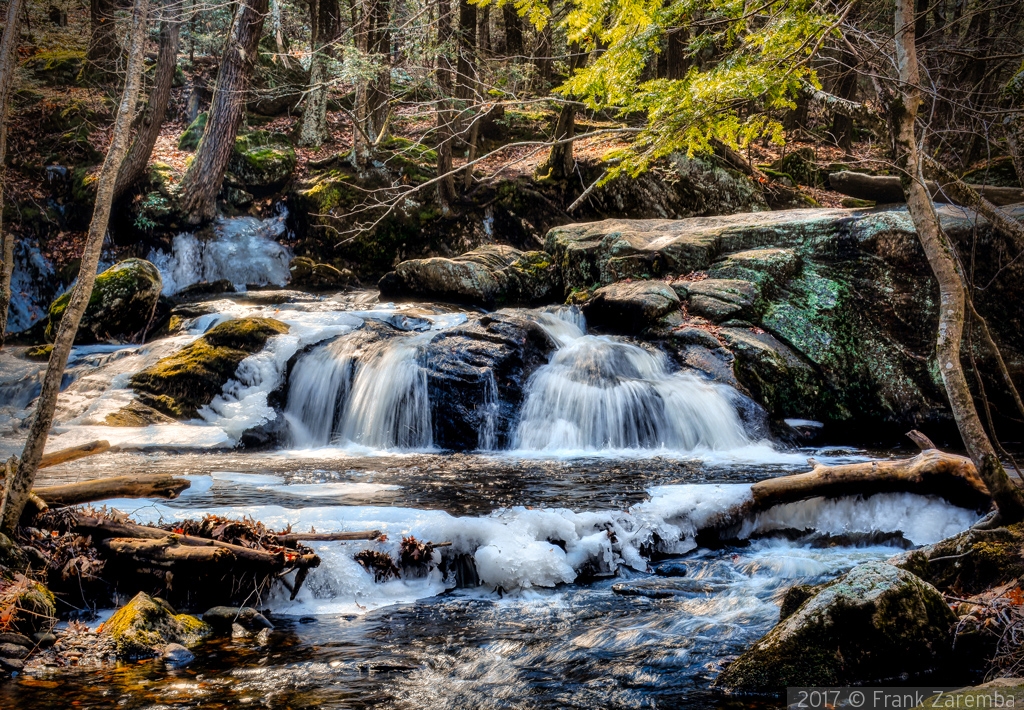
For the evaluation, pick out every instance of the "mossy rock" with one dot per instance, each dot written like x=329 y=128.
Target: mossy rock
x=39 y=353
x=83 y=185
x=262 y=161
x=309 y=274
x=1000 y=172
x=276 y=87
x=800 y=165
x=180 y=384
x=143 y=626
x=408 y=159
x=58 y=67
x=191 y=136
x=874 y=624
x=121 y=305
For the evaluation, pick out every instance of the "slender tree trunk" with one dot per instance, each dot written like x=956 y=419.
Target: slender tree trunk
x=19 y=486
x=677 y=61
x=1014 y=124
x=483 y=30
x=542 y=58
x=373 y=94
x=134 y=166
x=846 y=88
x=104 y=49
x=202 y=182
x=283 y=55
x=902 y=110
x=465 y=82
x=8 y=45
x=445 y=115
x=314 y=117
x=560 y=160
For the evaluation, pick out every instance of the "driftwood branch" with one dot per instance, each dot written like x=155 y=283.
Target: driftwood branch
x=161 y=485
x=291 y=539
x=73 y=453
x=887 y=189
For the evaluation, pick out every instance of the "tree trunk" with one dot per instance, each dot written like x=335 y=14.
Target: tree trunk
x=846 y=88
x=445 y=115
x=677 y=62
x=513 y=30
x=373 y=93
x=888 y=189
x=283 y=56
x=18 y=489
x=1014 y=124
x=8 y=45
x=465 y=82
x=134 y=166
x=483 y=30
x=202 y=182
x=902 y=111
x=314 y=117
x=560 y=162
x=542 y=58
x=104 y=49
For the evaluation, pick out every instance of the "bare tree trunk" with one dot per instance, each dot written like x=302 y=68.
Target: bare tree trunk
x=134 y=165
x=314 y=117
x=104 y=49
x=283 y=55
x=542 y=58
x=465 y=82
x=19 y=486
x=202 y=182
x=1014 y=124
x=8 y=44
x=445 y=115
x=373 y=94
x=902 y=110
x=483 y=29
x=513 y=30
x=677 y=61
x=560 y=160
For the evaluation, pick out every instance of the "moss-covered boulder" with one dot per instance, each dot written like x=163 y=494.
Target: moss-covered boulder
x=874 y=624
x=57 y=67
x=488 y=276
x=144 y=626
x=180 y=384
x=120 y=308
x=262 y=161
x=631 y=306
x=800 y=166
x=314 y=276
x=277 y=85
x=191 y=136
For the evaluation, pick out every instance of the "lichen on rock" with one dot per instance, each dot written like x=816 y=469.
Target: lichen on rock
x=144 y=626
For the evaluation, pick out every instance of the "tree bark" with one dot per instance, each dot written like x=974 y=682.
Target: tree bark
x=283 y=55
x=902 y=110
x=134 y=166
x=483 y=30
x=161 y=485
x=888 y=189
x=445 y=114
x=513 y=24
x=846 y=89
x=314 y=117
x=73 y=453
x=560 y=162
x=17 y=490
x=203 y=179
x=465 y=82
x=373 y=94
x=677 y=61
x=8 y=45
x=104 y=49
x=542 y=58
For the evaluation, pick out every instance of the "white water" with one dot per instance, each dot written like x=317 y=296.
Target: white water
x=372 y=395
x=243 y=250
x=514 y=549
x=599 y=393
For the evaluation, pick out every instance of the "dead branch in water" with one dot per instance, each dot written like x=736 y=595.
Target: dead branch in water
x=160 y=485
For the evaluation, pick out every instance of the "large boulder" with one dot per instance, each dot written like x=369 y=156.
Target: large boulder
x=831 y=313
x=180 y=384
x=488 y=276
x=120 y=308
x=631 y=306
x=261 y=161
x=145 y=626
x=467 y=366
x=876 y=623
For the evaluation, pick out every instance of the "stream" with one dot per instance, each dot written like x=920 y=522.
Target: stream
x=580 y=524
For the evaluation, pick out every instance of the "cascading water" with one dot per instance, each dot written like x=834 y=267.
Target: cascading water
x=601 y=393
x=350 y=392
x=243 y=250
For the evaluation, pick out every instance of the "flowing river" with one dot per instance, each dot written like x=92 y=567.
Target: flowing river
x=574 y=578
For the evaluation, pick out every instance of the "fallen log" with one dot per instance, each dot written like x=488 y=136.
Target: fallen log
x=73 y=453
x=106 y=529
x=887 y=189
x=291 y=539
x=161 y=485
x=166 y=552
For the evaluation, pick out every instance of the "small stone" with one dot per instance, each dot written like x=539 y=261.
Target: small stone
x=263 y=638
x=239 y=632
x=11 y=650
x=11 y=665
x=174 y=654
x=17 y=639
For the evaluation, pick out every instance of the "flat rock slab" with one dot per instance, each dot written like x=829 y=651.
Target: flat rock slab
x=631 y=306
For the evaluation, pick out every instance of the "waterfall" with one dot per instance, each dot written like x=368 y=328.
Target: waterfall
x=368 y=394
x=243 y=250
x=602 y=393
x=487 y=437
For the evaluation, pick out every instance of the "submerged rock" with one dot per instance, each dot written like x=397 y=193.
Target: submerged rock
x=631 y=306
x=488 y=276
x=874 y=624
x=178 y=385
x=144 y=627
x=120 y=308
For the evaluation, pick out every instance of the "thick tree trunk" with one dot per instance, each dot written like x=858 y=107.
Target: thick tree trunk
x=513 y=24
x=104 y=49
x=19 y=488
x=846 y=88
x=445 y=114
x=560 y=162
x=314 y=117
x=8 y=45
x=465 y=82
x=888 y=189
x=902 y=111
x=677 y=61
x=203 y=179
x=483 y=30
x=134 y=166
